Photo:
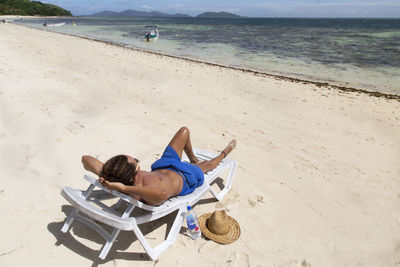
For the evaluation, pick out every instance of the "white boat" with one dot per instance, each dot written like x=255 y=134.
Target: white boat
x=54 y=24
x=151 y=34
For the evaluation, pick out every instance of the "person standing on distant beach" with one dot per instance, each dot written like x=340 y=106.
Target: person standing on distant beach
x=169 y=176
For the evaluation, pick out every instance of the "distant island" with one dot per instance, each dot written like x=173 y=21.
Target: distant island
x=156 y=14
x=31 y=8
x=218 y=15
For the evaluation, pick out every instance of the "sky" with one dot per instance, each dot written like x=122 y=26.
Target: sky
x=251 y=8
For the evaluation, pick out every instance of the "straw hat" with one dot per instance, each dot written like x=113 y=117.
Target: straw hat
x=219 y=227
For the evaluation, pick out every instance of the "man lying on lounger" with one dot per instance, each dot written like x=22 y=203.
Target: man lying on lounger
x=169 y=176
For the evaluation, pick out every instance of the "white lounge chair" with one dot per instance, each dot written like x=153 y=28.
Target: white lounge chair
x=89 y=206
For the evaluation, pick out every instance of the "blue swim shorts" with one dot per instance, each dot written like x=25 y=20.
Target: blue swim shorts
x=192 y=175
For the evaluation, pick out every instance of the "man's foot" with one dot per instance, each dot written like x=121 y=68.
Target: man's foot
x=229 y=148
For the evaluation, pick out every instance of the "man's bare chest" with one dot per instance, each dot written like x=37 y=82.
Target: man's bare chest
x=162 y=178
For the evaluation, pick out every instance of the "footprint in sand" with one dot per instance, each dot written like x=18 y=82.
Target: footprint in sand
x=75 y=127
x=302 y=263
x=254 y=200
x=397 y=248
x=229 y=199
x=238 y=260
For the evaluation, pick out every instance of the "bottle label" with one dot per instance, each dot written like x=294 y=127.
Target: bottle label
x=191 y=223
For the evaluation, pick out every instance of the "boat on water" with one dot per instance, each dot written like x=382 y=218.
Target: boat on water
x=6 y=20
x=151 y=34
x=53 y=24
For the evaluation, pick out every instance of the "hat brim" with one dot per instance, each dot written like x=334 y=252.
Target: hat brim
x=231 y=236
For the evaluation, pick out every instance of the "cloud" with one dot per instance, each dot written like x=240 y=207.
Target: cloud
x=316 y=3
x=146 y=7
x=327 y=9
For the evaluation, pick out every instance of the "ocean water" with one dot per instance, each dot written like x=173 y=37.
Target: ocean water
x=359 y=53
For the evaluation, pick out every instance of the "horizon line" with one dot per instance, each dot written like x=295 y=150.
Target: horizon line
x=242 y=16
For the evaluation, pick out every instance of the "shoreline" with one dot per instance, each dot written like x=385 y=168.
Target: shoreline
x=327 y=85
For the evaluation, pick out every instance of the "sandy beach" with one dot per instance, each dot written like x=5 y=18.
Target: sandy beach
x=317 y=182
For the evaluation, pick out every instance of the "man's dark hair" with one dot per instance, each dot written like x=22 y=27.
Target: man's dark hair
x=118 y=169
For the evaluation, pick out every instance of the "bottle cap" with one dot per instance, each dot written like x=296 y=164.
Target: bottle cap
x=189 y=208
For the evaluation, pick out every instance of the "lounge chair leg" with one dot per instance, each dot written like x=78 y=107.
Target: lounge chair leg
x=215 y=195
x=176 y=226
x=228 y=184
x=71 y=217
x=109 y=243
x=154 y=253
x=69 y=221
x=144 y=243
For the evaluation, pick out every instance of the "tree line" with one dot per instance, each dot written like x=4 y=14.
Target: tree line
x=31 y=8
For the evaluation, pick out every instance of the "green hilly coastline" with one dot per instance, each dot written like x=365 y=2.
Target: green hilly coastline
x=31 y=8
x=156 y=14
x=218 y=15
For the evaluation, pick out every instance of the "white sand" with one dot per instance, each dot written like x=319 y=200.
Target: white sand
x=318 y=176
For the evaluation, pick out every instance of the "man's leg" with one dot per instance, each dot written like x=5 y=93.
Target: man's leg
x=181 y=142
x=209 y=165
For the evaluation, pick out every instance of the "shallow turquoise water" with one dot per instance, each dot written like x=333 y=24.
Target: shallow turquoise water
x=361 y=53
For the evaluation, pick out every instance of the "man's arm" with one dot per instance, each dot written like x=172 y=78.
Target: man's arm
x=92 y=164
x=151 y=195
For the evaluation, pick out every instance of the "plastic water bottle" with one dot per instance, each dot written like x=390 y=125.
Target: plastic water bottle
x=192 y=223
